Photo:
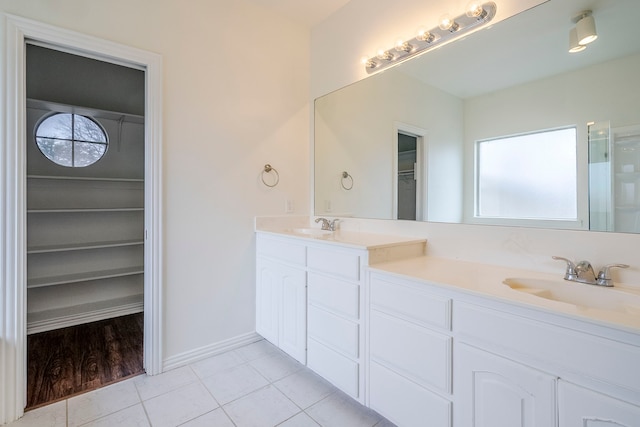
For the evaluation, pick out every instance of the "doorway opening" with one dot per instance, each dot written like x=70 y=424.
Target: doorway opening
x=407 y=158
x=85 y=223
x=410 y=175
x=13 y=180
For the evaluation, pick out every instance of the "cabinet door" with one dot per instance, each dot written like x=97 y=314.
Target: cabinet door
x=267 y=299
x=580 y=407
x=281 y=306
x=495 y=392
x=293 y=313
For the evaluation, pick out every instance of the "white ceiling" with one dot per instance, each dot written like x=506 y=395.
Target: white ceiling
x=306 y=12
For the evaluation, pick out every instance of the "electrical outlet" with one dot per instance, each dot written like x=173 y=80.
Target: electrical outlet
x=289 y=206
x=327 y=205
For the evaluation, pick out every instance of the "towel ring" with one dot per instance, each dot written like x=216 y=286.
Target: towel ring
x=346 y=176
x=268 y=169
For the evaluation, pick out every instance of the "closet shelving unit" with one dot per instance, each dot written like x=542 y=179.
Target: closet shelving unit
x=85 y=239
x=626 y=182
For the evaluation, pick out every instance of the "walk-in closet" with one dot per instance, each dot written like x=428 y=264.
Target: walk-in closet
x=85 y=221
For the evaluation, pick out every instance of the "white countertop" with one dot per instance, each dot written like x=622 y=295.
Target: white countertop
x=351 y=239
x=487 y=280
x=474 y=278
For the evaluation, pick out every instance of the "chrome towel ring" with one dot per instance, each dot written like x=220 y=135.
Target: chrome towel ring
x=348 y=179
x=268 y=169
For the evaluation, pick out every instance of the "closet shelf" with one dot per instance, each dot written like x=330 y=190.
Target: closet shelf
x=83 y=277
x=82 y=210
x=84 y=178
x=47 y=320
x=42 y=104
x=82 y=246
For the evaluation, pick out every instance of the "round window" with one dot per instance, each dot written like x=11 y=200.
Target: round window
x=71 y=140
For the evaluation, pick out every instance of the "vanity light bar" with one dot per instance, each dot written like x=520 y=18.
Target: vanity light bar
x=449 y=28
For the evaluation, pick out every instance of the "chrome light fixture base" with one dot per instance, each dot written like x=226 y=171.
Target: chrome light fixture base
x=429 y=39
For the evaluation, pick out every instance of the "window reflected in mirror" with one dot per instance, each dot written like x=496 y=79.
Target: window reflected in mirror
x=528 y=177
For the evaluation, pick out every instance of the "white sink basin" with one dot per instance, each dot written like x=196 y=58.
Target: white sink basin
x=579 y=294
x=312 y=231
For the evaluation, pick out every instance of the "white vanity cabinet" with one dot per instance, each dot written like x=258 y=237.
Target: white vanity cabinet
x=409 y=353
x=281 y=295
x=528 y=365
x=310 y=301
x=441 y=355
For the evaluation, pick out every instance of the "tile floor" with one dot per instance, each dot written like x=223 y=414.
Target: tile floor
x=256 y=385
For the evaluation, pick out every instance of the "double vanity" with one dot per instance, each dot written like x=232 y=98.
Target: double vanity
x=430 y=341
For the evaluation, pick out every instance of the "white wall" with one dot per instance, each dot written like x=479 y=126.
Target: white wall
x=358 y=30
x=236 y=96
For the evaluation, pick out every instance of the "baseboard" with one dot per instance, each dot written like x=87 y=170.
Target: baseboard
x=198 y=354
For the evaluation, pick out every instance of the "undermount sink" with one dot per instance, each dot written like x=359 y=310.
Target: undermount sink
x=312 y=231
x=579 y=294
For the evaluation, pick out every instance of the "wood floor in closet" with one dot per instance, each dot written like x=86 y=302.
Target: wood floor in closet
x=77 y=359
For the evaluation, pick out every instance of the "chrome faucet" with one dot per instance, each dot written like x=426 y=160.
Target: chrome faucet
x=583 y=272
x=328 y=225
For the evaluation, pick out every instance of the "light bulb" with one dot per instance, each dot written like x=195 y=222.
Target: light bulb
x=369 y=63
x=425 y=36
x=403 y=46
x=448 y=24
x=475 y=10
x=384 y=55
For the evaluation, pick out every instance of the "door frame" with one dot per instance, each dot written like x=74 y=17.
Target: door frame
x=19 y=31
x=420 y=172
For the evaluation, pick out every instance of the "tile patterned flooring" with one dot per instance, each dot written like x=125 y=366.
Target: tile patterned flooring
x=252 y=386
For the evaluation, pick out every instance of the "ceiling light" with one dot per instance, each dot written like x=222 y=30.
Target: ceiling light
x=449 y=28
x=574 y=46
x=586 y=28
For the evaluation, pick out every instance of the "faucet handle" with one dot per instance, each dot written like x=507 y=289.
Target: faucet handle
x=333 y=224
x=604 y=276
x=570 y=274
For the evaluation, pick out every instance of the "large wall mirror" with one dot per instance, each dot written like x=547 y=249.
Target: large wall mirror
x=504 y=127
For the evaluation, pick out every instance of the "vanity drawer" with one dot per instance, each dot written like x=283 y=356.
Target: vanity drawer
x=405 y=402
x=412 y=351
x=287 y=251
x=412 y=304
x=345 y=264
x=334 y=294
x=336 y=332
x=343 y=372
